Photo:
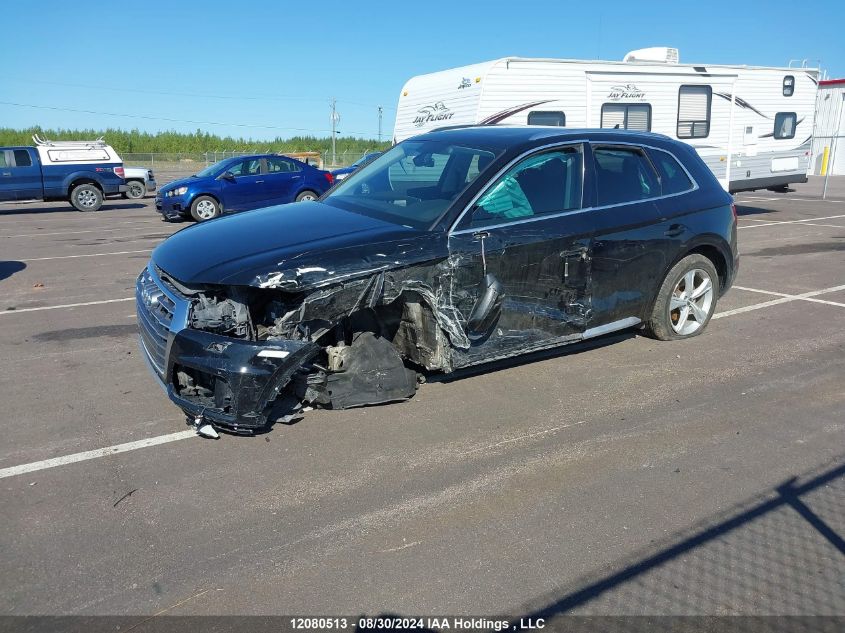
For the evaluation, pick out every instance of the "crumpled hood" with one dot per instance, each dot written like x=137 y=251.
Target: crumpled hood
x=292 y=247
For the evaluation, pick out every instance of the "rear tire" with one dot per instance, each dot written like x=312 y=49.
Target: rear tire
x=86 y=198
x=135 y=190
x=205 y=208
x=306 y=196
x=686 y=300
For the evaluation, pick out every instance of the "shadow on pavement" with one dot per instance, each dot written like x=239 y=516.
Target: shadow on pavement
x=33 y=209
x=779 y=553
x=744 y=209
x=9 y=268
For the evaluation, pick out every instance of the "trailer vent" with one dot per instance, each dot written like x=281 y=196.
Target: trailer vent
x=659 y=54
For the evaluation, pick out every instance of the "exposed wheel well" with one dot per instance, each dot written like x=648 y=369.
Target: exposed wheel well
x=714 y=255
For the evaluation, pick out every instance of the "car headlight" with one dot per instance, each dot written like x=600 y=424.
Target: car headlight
x=179 y=191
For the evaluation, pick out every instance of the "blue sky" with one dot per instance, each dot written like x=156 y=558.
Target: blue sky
x=269 y=69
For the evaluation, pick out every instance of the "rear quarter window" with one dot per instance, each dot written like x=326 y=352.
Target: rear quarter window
x=673 y=178
x=623 y=175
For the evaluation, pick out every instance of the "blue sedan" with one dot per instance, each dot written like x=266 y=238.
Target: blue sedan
x=366 y=159
x=240 y=184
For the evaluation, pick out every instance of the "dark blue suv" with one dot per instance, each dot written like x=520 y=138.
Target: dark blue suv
x=240 y=184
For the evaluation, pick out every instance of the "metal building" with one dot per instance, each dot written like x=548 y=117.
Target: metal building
x=828 y=144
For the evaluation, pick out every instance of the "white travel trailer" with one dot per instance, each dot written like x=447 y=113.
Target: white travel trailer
x=753 y=126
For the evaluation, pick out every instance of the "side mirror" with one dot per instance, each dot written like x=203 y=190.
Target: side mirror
x=227 y=175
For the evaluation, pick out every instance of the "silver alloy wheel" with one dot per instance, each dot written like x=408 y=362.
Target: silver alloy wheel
x=308 y=197
x=206 y=209
x=691 y=301
x=87 y=198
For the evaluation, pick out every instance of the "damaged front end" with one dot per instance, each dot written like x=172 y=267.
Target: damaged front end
x=243 y=357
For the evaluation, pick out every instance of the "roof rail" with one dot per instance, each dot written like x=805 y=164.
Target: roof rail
x=43 y=142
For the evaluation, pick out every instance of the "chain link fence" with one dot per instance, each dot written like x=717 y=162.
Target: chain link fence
x=172 y=165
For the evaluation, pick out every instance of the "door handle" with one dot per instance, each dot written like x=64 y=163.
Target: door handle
x=296 y=177
x=7 y=173
x=258 y=182
x=481 y=235
x=675 y=230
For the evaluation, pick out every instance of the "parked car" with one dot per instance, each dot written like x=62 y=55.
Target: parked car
x=139 y=182
x=457 y=247
x=81 y=172
x=240 y=184
x=366 y=159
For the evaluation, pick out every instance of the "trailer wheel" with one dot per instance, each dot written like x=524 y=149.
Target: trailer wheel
x=135 y=189
x=86 y=198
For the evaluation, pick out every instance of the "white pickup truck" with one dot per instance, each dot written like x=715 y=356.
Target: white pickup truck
x=139 y=182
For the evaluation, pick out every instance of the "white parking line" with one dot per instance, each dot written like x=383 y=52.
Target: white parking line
x=757 y=226
x=116 y=228
x=100 y=452
x=784 y=298
x=44 y=259
x=66 y=305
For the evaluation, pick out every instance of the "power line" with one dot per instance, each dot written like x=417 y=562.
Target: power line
x=171 y=120
x=170 y=93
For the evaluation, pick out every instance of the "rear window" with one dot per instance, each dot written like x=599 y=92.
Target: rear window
x=785 y=123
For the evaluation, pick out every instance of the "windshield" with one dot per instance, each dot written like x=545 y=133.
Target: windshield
x=212 y=169
x=413 y=183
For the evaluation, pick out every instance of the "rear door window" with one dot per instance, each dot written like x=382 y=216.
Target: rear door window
x=623 y=175
x=22 y=158
x=278 y=165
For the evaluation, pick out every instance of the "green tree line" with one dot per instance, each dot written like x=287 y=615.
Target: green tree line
x=135 y=141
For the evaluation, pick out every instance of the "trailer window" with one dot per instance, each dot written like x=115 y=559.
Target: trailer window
x=785 y=123
x=694 y=111
x=538 y=117
x=623 y=175
x=22 y=158
x=631 y=116
x=788 y=86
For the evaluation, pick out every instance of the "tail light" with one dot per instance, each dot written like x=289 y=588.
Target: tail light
x=733 y=210
x=330 y=177
x=119 y=171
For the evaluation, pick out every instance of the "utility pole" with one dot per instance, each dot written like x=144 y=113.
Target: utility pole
x=335 y=119
x=380 y=111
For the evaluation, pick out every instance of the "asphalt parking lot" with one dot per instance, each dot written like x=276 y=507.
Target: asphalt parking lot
x=624 y=477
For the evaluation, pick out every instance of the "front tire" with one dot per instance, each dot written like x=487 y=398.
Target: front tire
x=686 y=300
x=86 y=198
x=135 y=190
x=205 y=208
x=306 y=196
